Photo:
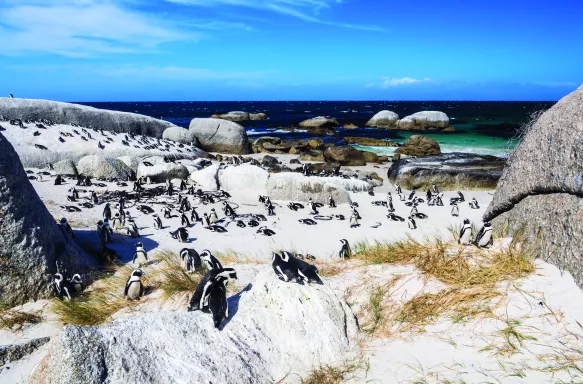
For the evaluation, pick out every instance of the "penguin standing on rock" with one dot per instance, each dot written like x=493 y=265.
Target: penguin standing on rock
x=211 y=294
x=141 y=255
x=134 y=288
x=206 y=220
x=465 y=236
x=61 y=287
x=290 y=269
x=345 y=251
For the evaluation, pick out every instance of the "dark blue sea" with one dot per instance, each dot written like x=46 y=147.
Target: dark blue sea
x=481 y=127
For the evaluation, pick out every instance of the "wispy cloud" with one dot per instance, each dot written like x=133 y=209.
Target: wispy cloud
x=85 y=28
x=402 y=81
x=306 y=10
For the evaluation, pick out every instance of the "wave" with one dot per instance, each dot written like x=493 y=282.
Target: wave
x=390 y=151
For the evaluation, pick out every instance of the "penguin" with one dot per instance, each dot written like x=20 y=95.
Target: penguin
x=157 y=222
x=210 y=261
x=411 y=195
x=117 y=222
x=184 y=220
x=331 y=202
x=434 y=189
x=313 y=208
x=206 y=219
x=216 y=228
x=107 y=212
x=345 y=251
x=194 y=216
x=211 y=294
x=354 y=220
x=461 y=196
x=290 y=269
x=241 y=224
x=398 y=188
x=94 y=198
x=180 y=234
x=61 y=287
x=354 y=211
x=76 y=283
x=58 y=180
x=190 y=259
x=182 y=185
x=411 y=222
x=64 y=225
x=265 y=231
x=307 y=221
x=213 y=218
x=134 y=287
x=169 y=188
x=428 y=196
x=474 y=204
x=484 y=238
x=295 y=206
x=390 y=206
x=270 y=207
x=227 y=209
x=455 y=210
x=167 y=212
x=141 y=255
x=132 y=229
x=185 y=205
x=465 y=236
x=401 y=196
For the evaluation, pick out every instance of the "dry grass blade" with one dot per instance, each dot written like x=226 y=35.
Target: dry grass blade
x=233 y=257
x=171 y=276
x=15 y=320
x=328 y=374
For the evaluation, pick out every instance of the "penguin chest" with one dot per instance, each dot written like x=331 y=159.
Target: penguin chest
x=485 y=239
x=142 y=256
x=134 y=290
x=465 y=238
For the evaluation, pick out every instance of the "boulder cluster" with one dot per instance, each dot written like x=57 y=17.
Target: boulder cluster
x=420 y=121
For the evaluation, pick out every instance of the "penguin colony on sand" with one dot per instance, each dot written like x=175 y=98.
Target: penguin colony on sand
x=177 y=201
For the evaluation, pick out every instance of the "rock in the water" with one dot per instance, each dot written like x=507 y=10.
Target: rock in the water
x=104 y=168
x=350 y=126
x=344 y=156
x=448 y=171
x=257 y=145
x=67 y=113
x=418 y=145
x=315 y=143
x=383 y=119
x=65 y=168
x=542 y=186
x=31 y=243
x=217 y=135
x=160 y=172
x=207 y=179
x=274 y=327
x=370 y=157
x=424 y=120
x=248 y=181
x=240 y=116
x=320 y=122
x=369 y=142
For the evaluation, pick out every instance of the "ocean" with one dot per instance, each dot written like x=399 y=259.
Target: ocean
x=485 y=127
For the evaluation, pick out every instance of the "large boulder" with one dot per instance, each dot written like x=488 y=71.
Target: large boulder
x=104 y=168
x=160 y=172
x=383 y=119
x=131 y=161
x=542 y=185
x=290 y=186
x=257 y=145
x=65 y=168
x=418 y=145
x=180 y=135
x=447 y=171
x=424 y=120
x=31 y=243
x=320 y=122
x=369 y=142
x=67 y=113
x=312 y=156
x=207 y=179
x=344 y=156
x=271 y=334
x=247 y=180
x=240 y=116
x=217 y=135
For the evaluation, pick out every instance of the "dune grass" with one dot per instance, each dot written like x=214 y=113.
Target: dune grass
x=97 y=305
x=14 y=320
x=329 y=374
x=171 y=276
x=231 y=256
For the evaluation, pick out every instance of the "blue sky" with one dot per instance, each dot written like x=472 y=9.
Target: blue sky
x=133 y=50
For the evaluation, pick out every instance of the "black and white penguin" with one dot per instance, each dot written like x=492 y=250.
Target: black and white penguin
x=269 y=206
x=411 y=222
x=474 y=204
x=484 y=238
x=191 y=260
x=65 y=227
x=76 y=283
x=295 y=206
x=206 y=220
x=107 y=211
x=61 y=287
x=211 y=294
x=213 y=218
x=290 y=269
x=210 y=261
x=227 y=209
x=134 y=288
x=184 y=220
x=465 y=237
x=401 y=196
x=116 y=223
x=398 y=188
x=167 y=212
x=354 y=220
x=455 y=210
x=157 y=222
x=313 y=207
x=141 y=255
x=265 y=231
x=461 y=196
x=345 y=251
x=216 y=228
x=194 y=216
x=307 y=221
x=355 y=212
x=132 y=228
x=94 y=198
x=434 y=189
x=181 y=234
x=58 y=180
x=331 y=202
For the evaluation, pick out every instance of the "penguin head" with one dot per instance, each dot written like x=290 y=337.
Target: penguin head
x=58 y=277
x=466 y=221
x=206 y=254
x=344 y=242
x=138 y=273
x=227 y=273
x=286 y=256
x=100 y=222
x=63 y=221
x=76 y=278
x=139 y=245
x=487 y=224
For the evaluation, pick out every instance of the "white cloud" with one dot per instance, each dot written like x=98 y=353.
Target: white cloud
x=300 y=9
x=82 y=28
x=395 y=82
